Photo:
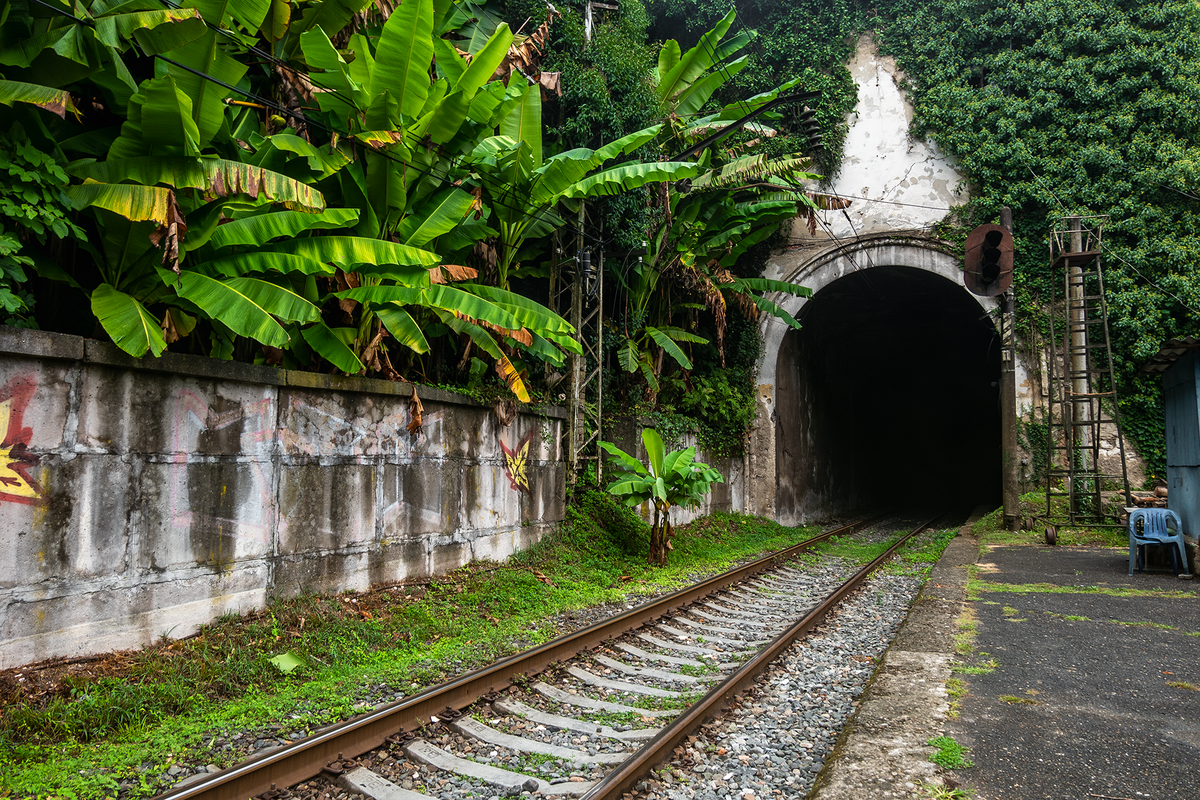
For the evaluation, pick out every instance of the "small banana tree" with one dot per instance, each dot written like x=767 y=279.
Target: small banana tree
x=666 y=480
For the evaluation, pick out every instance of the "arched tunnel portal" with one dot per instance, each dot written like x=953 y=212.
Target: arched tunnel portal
x=888 y=395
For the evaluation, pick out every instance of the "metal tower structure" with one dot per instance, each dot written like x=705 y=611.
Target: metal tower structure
x=577 y=292
x=1083 y=398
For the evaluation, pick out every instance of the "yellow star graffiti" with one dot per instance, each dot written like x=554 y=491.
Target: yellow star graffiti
x=12 y=482
x=516 y=464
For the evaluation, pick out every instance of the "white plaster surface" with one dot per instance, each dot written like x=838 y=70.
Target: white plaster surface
x=883 y=162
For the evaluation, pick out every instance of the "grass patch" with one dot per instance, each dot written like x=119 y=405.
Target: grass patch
x=82 y=730
x=935 y=792
x=917 y=559
x=983 y=667
x=976 y=587
x=956 y=688
x=1012 y=699
x=991 y=532
x=964 y=640
x=1191 y=687
x=950 y=754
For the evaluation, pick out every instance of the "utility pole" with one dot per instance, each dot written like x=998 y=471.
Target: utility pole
x=1008 y=399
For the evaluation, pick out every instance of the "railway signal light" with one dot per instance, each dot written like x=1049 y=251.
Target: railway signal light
x=988 y=261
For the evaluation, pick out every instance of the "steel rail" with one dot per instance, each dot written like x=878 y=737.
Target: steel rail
x=659 y=749
x=303 y=759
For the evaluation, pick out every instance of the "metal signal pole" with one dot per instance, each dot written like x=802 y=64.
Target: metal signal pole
x=1008 y=400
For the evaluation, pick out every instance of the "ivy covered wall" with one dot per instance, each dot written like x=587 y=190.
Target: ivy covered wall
x=1074 y=107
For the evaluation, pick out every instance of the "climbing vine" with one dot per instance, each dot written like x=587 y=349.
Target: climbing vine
x=807 y=39
x=1075 y=107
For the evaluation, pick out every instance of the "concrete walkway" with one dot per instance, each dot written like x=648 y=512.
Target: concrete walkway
x=1079 y=702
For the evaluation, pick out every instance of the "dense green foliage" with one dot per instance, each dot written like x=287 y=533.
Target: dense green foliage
x=1075 y=107
x=330 y=186
x=808 y=40
x=33 y=208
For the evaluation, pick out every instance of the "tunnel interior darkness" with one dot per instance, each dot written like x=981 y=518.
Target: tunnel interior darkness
x=887 y=396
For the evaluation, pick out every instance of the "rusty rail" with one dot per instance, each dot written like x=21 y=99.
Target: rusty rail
x=659 y=749
x=296 y=762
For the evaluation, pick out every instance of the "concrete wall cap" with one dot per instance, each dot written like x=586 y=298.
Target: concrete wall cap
x=62 y=346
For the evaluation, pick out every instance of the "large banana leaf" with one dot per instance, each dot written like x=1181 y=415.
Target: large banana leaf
x=350 y=251
x=167 y=116
x=485 y=61
x=258 y=261
x=405 y=53
x=320 y=162
x=532 y=315
x=616 y=180
x=440 y=215
x=524 y=122
x=403 y=328
x=663 y=340
x=692 y=64
x=484 y=341
x=445 y=120
x=447 y=298
x=138 y=203
x=766 y=305
x=328 y=15
x=56 y=101
x=262 y=228
x=668 y=57
x=693 y=98
x=128 y=323
x=247 y=13
x=768 y=285
x=214 y=176
x=197 y=64
x=279 y=300
x=118 y=24
x=329 y=344
x=320 y=53
x=625 y=145
x=233 y=308
x=655 y=451
x=545 y=350
x=450 y=64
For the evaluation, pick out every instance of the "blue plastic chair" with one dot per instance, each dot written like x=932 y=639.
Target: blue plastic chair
x=1155 y=532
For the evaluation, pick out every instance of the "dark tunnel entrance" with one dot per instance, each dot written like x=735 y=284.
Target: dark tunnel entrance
x=887 y=397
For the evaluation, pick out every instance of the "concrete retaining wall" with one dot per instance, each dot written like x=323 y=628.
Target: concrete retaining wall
x=142 y=497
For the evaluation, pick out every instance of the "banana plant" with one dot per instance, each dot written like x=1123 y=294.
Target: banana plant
x=524 y=190
x=666 y=480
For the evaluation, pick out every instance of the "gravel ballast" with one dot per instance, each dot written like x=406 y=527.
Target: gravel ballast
x=775 y=742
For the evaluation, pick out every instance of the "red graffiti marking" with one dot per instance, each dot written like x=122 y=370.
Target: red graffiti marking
x=16 y=484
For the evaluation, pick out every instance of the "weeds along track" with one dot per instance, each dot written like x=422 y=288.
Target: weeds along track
x=594 y=713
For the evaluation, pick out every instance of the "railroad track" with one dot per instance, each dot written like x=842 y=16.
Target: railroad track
x=591 y=714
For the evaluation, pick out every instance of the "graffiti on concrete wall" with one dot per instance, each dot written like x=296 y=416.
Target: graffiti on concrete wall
x=17 y=484
x=516 y=464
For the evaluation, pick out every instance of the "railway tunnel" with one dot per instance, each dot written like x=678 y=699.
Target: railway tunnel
x=888 y=396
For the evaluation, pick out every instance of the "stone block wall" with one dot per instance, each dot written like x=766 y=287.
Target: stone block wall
x=142 y=497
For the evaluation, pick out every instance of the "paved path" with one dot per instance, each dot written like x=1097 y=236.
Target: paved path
x=1079 y=704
